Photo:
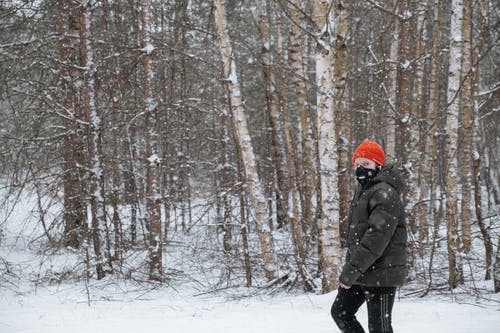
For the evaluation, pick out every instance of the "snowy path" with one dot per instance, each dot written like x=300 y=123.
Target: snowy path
x=59 y=311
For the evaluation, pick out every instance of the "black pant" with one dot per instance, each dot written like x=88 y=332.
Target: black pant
x=379 y=301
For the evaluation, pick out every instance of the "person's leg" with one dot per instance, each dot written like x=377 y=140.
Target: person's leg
x=379 y=302
x=344 y=309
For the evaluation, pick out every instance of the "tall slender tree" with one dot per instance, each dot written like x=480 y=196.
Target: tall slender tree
x=153 y=214
x=452 y=124
x=94 y=140
x=278 y=146
x=298 y=61
x=467 y=122
x=244 y=141
x=328 y=212
x=74 y=213
x=478 y=144
x=342 y=113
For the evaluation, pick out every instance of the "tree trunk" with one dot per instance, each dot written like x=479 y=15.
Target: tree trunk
x=328 y=212
x=478 y=151
x=222 y=178
x=466 y=128
x=342 y=116
x=496 y=269
x=434 y=117
x=282 y=191
x=451 y=146
x=280 y=155
x=245 y=143
x=297 y=57
x=93 y=118
x=153 y=217
x=74 y=213
x=419 y=157
x=390 y=113
x=404 y=120
x=297 y=235
x=243 y=219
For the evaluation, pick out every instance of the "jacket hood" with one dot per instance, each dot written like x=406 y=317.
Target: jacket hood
x=391 y=176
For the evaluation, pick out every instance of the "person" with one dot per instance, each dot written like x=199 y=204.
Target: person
x=376 y=244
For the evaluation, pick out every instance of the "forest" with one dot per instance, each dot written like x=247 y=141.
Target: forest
x=224 y=130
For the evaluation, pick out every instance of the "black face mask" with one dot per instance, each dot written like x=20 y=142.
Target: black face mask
x=364 y=175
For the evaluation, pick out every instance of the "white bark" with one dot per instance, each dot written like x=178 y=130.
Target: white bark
x=390 y=122
x=97 y=193
x=328 y=221
x=298 y=62
x=466 y=125
x=244 y=141
x=452 y=140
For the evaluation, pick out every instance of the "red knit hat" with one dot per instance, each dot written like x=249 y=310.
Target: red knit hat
x=370 y=150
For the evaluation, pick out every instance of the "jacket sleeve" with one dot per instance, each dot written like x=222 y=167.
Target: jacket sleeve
x=385 y=206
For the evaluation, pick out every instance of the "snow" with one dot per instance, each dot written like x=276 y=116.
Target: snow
x=154 y=159
x=65 y=309
x=148 y=49
x=35 y=298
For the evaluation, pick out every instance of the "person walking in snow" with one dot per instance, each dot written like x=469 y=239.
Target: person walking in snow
x=376 y=244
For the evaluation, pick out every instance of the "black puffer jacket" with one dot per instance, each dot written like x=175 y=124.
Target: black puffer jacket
x=376 y=237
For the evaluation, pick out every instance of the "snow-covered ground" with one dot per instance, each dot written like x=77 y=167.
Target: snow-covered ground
x=36 y=297
x=114 y=309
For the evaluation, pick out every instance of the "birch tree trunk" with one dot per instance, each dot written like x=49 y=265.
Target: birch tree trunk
x=93 y=118
x=390 y=114
x=342 y=116
x=328 y=212
x=298 y=63
x=222 y=186
x=451 y=145
x=245 y=143
x=466 y=126
x=478 y=151
x=282 y=191
x=295 y=216
x=280 y=155
x=153 y=215
x=243 y=217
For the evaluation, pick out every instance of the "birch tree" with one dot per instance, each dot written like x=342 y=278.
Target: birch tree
x=328 y=212
x=295 y=214
x=466 y=102
x=92 y=116
x=245 y=142
x=342 y=115
x=478 y=146
x=282 y=193
x=452 y=124
x=390 y=114
x=280 y=156
x=298 y=62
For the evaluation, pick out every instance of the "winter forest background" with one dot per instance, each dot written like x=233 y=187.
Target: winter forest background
x=211 y=141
